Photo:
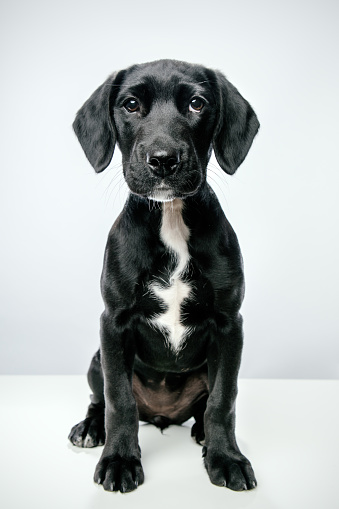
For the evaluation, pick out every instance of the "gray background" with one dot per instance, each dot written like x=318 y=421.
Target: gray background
x=56 y=213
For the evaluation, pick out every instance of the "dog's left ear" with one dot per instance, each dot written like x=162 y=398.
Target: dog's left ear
x=94 y=125
x=236 y=127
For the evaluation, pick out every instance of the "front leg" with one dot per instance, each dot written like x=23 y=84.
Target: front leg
x=225 y=464
x=119 y=468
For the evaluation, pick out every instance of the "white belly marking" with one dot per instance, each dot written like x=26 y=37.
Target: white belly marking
x=174 y=234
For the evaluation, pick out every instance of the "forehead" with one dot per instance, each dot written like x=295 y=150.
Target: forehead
x=166 y=78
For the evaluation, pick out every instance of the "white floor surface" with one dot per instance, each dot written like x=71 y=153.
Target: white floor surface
x=288 y=429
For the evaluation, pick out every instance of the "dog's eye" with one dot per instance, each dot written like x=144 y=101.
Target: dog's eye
x=196 y=104
x=131 y=105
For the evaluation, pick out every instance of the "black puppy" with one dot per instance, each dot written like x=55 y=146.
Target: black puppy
x=172 y=282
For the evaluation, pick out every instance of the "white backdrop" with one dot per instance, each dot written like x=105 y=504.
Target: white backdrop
x=56 y=212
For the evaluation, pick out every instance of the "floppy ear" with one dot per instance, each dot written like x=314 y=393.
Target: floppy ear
x=236 y=128
x=94 y=126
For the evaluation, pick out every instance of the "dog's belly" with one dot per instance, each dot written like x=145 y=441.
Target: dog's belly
x=173 y=292
x=172 y=395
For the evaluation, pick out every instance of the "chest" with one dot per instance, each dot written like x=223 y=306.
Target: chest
x=174 y=288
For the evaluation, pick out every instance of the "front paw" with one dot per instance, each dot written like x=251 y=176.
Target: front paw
x=119 y=474
x=231 y=470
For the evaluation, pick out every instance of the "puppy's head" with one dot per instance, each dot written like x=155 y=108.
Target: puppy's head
x=166 y=116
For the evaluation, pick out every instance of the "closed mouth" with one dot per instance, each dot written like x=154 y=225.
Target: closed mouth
x=162 y=194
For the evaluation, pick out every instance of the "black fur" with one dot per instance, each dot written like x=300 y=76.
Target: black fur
x=166 y=139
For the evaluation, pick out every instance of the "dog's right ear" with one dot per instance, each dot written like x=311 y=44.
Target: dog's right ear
x=94 y=125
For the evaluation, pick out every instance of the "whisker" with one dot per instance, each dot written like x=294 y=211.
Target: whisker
x=217 y=175
x=110 y=183
x=115 y=189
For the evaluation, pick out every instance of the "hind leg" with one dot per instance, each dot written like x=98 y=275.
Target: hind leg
x=197 y=431
x=91 y=431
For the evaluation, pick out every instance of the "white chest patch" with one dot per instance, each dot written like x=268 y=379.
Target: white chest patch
x=174 y=234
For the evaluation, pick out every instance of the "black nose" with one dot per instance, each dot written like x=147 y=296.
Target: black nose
x=163 y=163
